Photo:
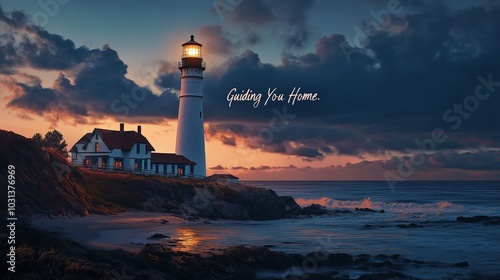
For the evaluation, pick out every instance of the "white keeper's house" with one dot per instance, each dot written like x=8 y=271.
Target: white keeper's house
x=128 y=151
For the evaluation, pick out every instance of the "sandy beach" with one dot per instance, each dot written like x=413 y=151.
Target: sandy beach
x=128 y=231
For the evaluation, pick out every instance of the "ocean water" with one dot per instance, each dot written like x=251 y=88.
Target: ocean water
x=434 y=206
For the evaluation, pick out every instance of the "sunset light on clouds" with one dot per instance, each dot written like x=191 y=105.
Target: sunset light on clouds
x=404 y=89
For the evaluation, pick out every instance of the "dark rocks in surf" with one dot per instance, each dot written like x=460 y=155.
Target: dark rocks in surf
x=314 y=209
x=411 y=225
x=369 y=210
x=487 y=220
x=158 y=236
x=365 y=210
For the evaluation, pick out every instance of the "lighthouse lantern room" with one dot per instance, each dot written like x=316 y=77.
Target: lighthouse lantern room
x=190 y=140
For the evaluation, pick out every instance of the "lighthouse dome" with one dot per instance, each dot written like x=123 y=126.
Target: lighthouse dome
x=192 y=42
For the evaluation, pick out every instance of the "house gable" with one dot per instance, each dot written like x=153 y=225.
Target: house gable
x=91 y=146
x=81 y=142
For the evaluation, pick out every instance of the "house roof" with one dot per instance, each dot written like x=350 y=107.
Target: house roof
x=114 y=139
x=82 y=140
x=170 y=158
x=122 y=140
x=222 y=176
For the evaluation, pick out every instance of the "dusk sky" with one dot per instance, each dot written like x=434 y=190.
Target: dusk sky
x=408 y=90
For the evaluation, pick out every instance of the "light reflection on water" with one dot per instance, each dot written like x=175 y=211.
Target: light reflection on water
x=188 y=239
x=291 y=235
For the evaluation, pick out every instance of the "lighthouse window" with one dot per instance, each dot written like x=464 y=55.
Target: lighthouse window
x=200 y=114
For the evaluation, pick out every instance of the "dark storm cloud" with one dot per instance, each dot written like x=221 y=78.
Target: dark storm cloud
x=100 y=87
x=35 y=98
x=305 y=152
x=8 y=58
x=294 y=14
x=24 y=44
x=217 y=41
x=290 y=14
x=252 y=12
x=302 y=140
x=479 y=164
x=168 y=76
x=391 y=92
x=478 y=160
x=167 y=80
x=298 y=38
x=252 y=37
x=487 y=160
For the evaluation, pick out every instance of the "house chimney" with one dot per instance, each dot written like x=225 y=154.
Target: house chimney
x=122 y=127
x=139 y=129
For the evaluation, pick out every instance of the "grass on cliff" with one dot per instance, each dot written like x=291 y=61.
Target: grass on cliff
x=47 y=184
x=121 y=190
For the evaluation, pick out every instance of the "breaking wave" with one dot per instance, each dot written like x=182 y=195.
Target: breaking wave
x=378 y=205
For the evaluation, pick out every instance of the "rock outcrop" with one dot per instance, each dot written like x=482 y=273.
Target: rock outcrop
x=47 y=184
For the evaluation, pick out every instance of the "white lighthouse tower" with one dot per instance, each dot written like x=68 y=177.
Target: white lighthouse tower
x=190 y=140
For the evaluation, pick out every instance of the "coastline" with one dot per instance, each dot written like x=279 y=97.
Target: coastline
x=94 y=225
x=160 y=253
x=136 y=231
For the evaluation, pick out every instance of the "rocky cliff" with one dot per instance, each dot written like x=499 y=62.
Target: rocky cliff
x=47 y=184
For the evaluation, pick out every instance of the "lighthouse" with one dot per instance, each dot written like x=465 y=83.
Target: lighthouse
x=190 y=140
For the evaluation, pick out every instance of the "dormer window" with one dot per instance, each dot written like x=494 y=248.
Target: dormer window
x=97 y=147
